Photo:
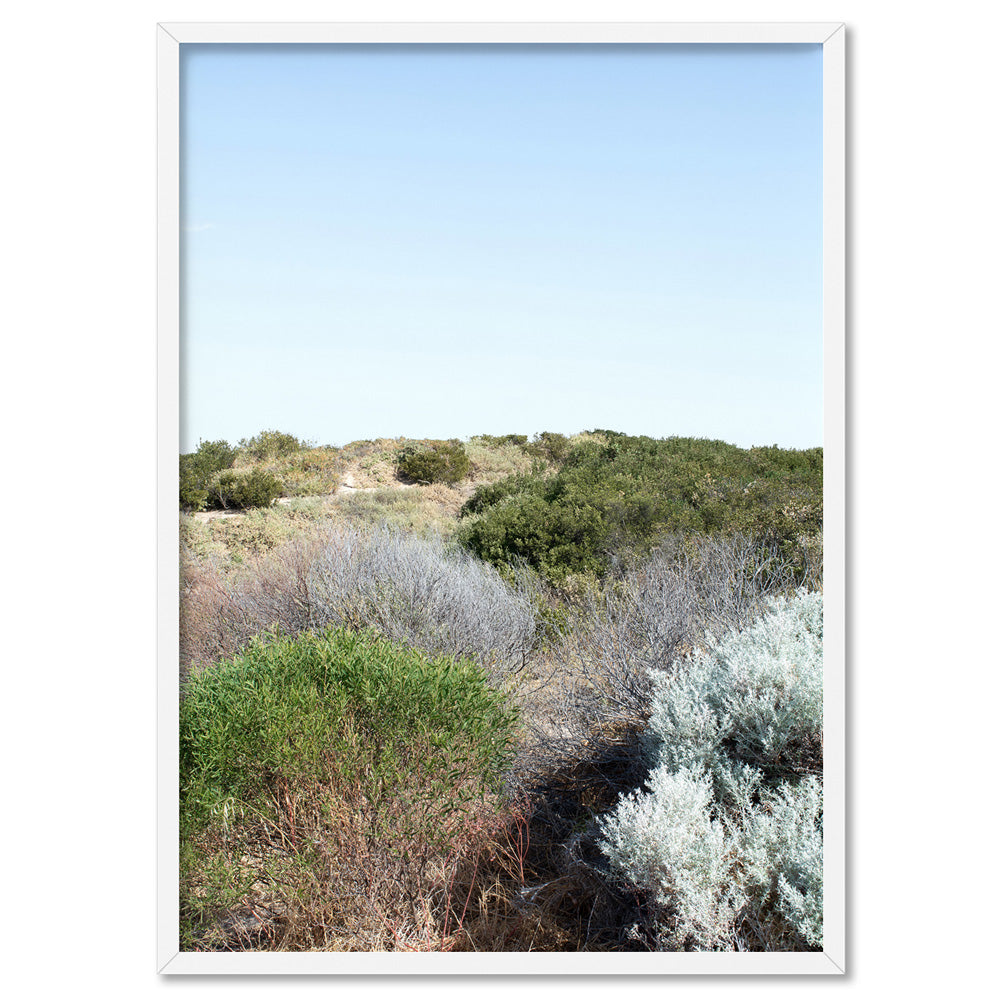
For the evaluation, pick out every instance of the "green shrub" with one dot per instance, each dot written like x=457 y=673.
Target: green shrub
x=556 y=539
x=343 y=785
x=490 y=494
x=614 y=496
x=271 y=444
x=244 y=490
x=198 y=470
x=193 y=490
x=297 y=710
x=433 y=462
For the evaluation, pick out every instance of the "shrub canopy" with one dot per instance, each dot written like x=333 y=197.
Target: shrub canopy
x=280 y=710
x=199 y=469
x=244 y=490
x=433 y=462
x=620 y=494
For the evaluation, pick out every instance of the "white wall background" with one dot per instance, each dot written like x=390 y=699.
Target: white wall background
x=79 y=422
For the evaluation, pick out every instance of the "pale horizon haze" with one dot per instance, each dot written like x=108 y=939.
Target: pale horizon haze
x=438 y=241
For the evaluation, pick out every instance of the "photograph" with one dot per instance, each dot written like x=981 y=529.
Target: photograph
x=469 y=522
x=505 y=389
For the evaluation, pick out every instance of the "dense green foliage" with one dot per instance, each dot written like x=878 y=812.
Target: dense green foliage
x=619 y=494
x=199 y=469
x=256 y=488
x=433 y=462
x=297 y=710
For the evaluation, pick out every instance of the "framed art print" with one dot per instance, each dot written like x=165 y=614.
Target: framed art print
x=501 y=498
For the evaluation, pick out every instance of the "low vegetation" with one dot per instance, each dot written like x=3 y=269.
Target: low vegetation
x=419 y=591
x=433 y=462
x=466 y=695
x=253 y=474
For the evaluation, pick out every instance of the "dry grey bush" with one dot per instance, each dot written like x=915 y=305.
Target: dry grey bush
x=426 y=593
x=220 y=611
x=416 y=590
x=643 y=622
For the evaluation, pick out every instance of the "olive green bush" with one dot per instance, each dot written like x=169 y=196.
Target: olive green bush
x=549 y=446
x=433 y=462
x=193 y=490
x=244 y=490
x=199 y=469
x=614 y=496
x=501 y=440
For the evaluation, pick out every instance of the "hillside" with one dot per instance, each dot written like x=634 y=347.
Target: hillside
x=550 y=585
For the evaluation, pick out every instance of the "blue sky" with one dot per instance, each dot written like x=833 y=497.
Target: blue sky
x=440 y=241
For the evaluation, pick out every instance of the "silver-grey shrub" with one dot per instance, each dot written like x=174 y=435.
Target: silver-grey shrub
x=754 y=698
x=665 y=843
x=782 y=854
x=726 y=839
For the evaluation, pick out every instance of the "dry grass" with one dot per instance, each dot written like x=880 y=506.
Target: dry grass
x=575 y=439
x=339 y=867
x=421 y=509
x=493 y=462
x=372 y=464
x=236 y=540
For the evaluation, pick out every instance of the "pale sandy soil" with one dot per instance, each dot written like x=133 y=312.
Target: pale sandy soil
x=349 y=485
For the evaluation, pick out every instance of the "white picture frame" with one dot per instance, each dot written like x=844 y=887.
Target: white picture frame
x=832 y=37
